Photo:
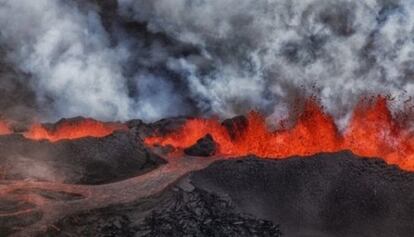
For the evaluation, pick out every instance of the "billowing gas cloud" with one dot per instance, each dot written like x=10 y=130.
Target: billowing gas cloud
x=152 y=59
x=67 y=54
x=263 y=54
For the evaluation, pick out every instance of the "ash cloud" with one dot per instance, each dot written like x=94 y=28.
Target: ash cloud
x=152 y=59
x=66 y=53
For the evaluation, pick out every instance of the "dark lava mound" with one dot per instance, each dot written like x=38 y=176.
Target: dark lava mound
x=205 y=146
x=323 y=195
x=88 y=160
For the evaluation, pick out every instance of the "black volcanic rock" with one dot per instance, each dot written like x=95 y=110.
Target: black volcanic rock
x=324 y=195
x=158 y=128
x=176 y=212
x=80 y=119
x=235 y=126
x=205 y=146
x=98 y=223
x=85 y=161
x=199 y=213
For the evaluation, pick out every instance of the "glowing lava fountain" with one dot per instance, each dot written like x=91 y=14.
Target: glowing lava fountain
x=72 y=129
x=371 y=132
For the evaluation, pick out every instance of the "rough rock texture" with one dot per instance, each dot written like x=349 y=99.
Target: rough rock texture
x=101 y=223
x=162 y=127
x=199 y=213
x=76 y=120
x=323 y=195
x=205 y=146
x=86 y=160
x=51 y=202
x=177 y=212
x=235 y=126
x=336 y=194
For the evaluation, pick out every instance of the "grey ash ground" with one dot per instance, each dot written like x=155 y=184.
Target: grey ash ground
x=336 y=194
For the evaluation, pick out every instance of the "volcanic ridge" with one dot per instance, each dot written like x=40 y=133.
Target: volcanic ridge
x=202 y=177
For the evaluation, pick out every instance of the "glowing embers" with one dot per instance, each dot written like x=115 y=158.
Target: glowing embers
x=372 y=132
x=72 y=129
x=4 y=128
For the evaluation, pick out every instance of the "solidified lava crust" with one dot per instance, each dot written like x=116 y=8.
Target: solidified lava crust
x=117 y=186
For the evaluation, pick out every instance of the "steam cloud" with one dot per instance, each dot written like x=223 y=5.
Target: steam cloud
x=152 y=59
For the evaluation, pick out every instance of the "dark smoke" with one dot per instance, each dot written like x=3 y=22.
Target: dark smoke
x=152 y=59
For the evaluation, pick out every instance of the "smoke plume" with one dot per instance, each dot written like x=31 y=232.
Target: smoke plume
x=152 y=59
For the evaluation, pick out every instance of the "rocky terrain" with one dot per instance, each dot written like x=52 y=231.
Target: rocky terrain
x=177 y=212
x=81 y=161
x=117 y=186
x=323 y=195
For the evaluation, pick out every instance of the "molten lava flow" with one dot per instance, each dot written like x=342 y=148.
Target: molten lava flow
x=72 y=130
x=372 y=132
x=4 y=128
x=314 y=132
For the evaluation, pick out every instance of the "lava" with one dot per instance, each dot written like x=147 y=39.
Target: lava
x=72 y=129
x=371 y=132
x=4 y=128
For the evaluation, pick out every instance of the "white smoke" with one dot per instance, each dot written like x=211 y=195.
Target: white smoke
x=67 y=54
x=266 y=52
x=222 y=57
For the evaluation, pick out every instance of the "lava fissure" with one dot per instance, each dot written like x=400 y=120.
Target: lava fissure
x=68 y=129
x=371 y=132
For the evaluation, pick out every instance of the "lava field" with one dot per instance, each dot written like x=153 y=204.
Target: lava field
x=117 y=185
x=206 y=118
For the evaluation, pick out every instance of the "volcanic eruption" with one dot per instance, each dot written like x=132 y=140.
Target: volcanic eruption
x=371 y=132
x=206 y=118
x=77 y=128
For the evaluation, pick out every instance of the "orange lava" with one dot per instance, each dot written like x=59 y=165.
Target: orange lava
x=68 y=129
x=371 y=132
x=4 y=128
